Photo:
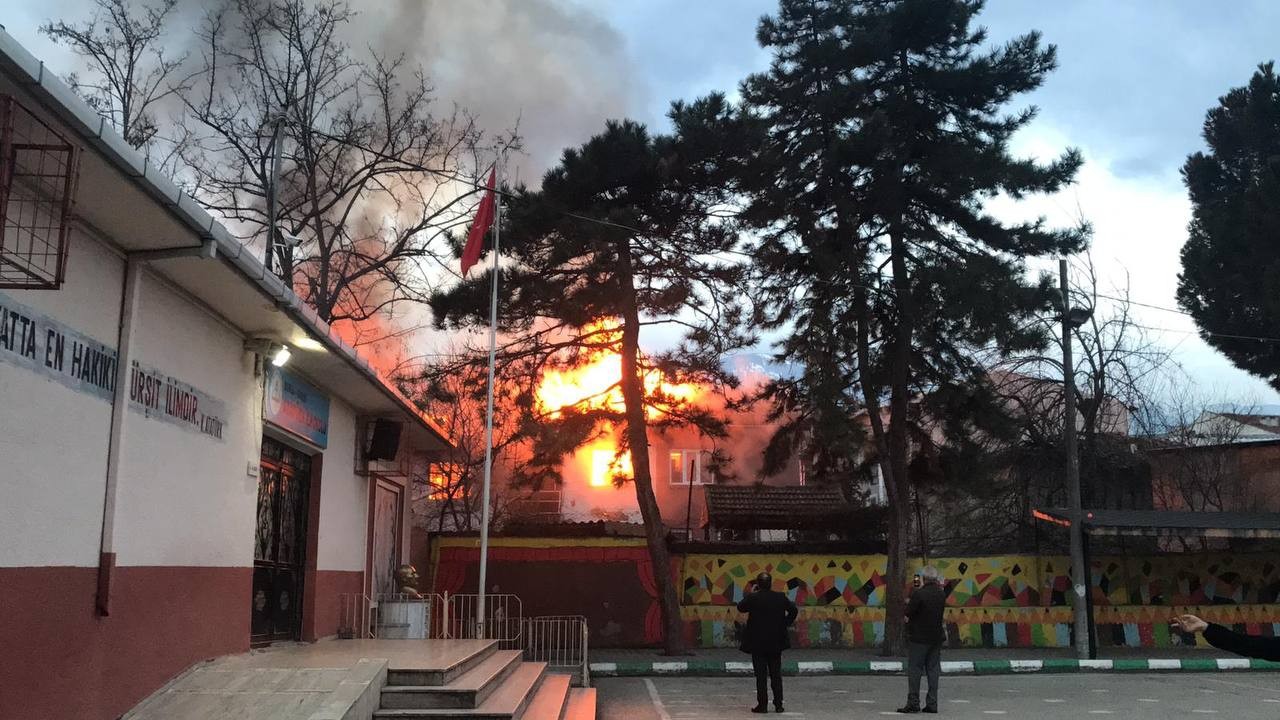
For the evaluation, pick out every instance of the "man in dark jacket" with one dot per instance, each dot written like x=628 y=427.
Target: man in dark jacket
x=769 y=614
x=925 y=635
x=1263 y=648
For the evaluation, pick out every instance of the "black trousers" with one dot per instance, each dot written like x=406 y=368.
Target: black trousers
x=923 y=659
x=768 y=666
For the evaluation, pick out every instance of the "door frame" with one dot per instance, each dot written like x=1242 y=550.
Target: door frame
x=310 y=565
x=401 y=487
x=311 y=544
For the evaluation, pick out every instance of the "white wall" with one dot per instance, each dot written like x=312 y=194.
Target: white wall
x=344 y=496
x=53 y=440
x=185 y=498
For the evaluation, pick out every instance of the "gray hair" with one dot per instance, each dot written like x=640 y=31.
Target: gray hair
x=931 y=574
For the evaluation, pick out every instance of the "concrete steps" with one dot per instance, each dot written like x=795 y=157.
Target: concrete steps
x=469 y=690
x=506 y=701
x=550 y=700
x=488 y=685
x=581 y=705
x=439 y=671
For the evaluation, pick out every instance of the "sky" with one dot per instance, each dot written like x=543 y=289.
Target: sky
x=1133 y=85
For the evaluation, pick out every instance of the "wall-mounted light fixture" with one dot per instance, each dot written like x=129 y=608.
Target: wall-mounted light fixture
x=267 y=349
x=281 y=356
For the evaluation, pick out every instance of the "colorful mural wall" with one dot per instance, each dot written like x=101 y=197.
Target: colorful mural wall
x=1001 y=601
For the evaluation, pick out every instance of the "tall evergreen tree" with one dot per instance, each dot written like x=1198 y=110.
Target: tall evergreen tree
x=1230 y=280
x=622 y=236
x=885 y=132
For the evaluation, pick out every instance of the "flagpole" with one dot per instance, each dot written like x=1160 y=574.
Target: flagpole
x=488 y=420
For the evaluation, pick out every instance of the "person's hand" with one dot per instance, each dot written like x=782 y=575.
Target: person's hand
x=1190 y=624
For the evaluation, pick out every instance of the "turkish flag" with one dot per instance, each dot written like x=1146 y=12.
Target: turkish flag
x=484 y=218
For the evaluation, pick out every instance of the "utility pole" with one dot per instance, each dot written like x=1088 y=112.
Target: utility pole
x=1079 y=573
x=277 y=140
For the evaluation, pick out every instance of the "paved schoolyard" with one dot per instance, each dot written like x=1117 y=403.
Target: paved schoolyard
x=1241 y=695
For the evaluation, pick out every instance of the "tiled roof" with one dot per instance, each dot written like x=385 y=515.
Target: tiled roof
x=527 y=527
x=774 y=507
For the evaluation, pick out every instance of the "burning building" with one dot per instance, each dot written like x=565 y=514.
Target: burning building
x=594 y=480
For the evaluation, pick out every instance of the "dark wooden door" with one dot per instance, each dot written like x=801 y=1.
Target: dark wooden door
x=280 y=543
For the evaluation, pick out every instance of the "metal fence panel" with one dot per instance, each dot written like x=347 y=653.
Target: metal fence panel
x=503 y=616
x=560 y=641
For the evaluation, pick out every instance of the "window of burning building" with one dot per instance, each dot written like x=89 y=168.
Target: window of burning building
x=685 y=466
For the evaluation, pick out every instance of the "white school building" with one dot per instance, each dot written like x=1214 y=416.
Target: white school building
x=167 y=494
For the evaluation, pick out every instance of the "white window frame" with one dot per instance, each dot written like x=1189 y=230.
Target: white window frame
x=879 y=495
x=698 y=477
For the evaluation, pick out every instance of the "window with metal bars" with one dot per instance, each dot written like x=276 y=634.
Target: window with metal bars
x=37 y=191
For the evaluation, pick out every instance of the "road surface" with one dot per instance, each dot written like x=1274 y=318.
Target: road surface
x=1039 y=697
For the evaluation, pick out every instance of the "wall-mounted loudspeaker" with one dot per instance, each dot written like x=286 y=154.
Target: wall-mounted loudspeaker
x=384 y=440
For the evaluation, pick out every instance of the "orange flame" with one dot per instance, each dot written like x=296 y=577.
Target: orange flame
x=597 y=384
x=606 y=464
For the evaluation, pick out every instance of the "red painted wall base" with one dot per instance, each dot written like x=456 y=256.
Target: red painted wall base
x=324 y=619
x=61 y=660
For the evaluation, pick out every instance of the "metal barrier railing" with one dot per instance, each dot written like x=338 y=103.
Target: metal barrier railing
x=503 y=616
x=398 y=616
x=560 y=641
x=387 y=615
x=355 y=619
x=447 y=616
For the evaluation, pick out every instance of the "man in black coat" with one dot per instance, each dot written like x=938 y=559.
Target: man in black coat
x=925 y=635
x=1254 y=646
x=769 y=614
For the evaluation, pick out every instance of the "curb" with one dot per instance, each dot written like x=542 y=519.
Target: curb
x=713 y=668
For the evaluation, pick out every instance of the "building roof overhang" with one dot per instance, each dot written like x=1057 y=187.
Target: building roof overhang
x=1168 y=523
x=141 y=211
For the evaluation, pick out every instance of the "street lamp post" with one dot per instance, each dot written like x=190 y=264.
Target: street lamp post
x=277 y=141
x=1072 y=319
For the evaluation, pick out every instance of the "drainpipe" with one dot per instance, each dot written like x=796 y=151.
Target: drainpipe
x=120 y=405
x=119 y=408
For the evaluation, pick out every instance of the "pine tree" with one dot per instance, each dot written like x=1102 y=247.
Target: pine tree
x=1230 y=280
x=621 y=236
x=885 y=133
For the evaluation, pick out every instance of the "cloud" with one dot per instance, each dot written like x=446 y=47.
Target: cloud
x=1140 y=225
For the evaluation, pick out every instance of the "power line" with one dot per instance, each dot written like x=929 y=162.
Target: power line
x=1207 y=332
x=1184 y=313
x=1142 y=304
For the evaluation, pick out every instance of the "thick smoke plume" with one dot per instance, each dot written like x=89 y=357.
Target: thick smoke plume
x=552 y=66
x=550 y=69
